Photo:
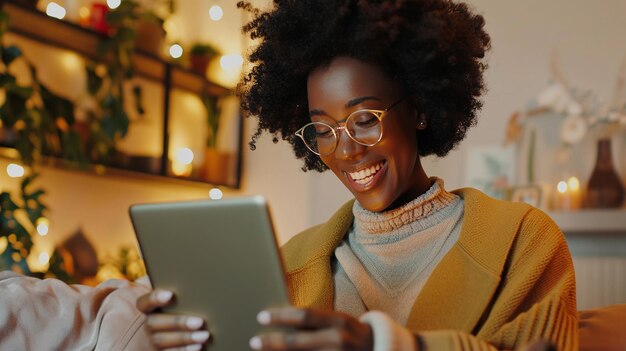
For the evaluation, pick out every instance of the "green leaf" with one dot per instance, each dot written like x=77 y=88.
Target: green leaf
x=10 y=53
x=4 y=23
x=6 y=79
x=94 y=82
x=21 y=91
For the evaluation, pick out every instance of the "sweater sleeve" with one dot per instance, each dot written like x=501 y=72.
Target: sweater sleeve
x=48 y=314
x=536 y=298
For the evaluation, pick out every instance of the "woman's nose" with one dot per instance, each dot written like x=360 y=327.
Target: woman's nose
x=346 y=147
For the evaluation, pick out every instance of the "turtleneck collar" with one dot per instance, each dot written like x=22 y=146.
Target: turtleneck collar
x=424 y=208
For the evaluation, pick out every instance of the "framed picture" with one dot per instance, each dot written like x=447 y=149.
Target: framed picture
x=530 y=194
x=490 y=169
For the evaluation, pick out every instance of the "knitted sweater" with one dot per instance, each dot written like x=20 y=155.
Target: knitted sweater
x=508 y=280
x=386 y=258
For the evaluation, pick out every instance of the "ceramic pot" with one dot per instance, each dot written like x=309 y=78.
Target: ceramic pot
x=605 y=188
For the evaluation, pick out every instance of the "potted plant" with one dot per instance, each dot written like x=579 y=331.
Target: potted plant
x=216 y=162
x=200 y=56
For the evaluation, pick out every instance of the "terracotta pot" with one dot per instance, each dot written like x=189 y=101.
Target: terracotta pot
x=200 y=63
x=605 y=189
x=216 y=166
x=150 y=37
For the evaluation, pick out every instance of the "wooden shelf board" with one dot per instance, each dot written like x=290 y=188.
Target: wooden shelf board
x=9 y=154
x=589 y=221
x=38 y=26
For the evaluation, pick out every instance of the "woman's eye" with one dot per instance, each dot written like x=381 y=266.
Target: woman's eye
x=324 y=133
x=365 y=120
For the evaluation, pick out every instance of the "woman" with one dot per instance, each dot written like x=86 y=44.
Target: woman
x=365 y=88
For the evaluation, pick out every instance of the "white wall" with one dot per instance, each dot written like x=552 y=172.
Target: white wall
x=589 y=39
x=587 y=35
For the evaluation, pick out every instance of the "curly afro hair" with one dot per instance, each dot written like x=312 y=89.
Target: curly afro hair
x=433 y=48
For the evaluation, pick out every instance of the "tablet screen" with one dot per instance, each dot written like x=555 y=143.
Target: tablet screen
x=219 y=257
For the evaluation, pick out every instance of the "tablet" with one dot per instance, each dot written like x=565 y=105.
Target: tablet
x=219 y=257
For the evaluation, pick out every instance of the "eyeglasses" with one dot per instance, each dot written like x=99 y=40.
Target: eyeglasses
x=363 y=126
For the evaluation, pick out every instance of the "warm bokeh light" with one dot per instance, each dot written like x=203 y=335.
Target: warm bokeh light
x=84 y=13
x=561 y=187
x=15 y=170
x=113 y=4
x=43 y=225
x=184 y=155
x=44 y=258
x=73 y=63
x=55 y=10
x=232 y=61
x=176 y=51
x=215 y=194
x=3 y=244
x=573 y=184
x=216 y=13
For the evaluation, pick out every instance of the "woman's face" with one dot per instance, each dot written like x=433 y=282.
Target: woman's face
x=383 y=176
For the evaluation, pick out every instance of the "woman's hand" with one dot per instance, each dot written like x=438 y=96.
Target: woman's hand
x=171 y=331
x=312 y=330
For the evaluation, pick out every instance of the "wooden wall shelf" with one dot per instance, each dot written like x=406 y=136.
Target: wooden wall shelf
x=38 y=26
x=29 y=23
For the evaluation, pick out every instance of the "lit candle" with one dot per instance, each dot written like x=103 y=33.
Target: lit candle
x=568 y=196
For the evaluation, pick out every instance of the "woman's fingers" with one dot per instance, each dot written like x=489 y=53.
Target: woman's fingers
x=303 y=318
x=172 y=322
x=330 y=338
x=313 y=330
x=154 y=299
x=183 y=340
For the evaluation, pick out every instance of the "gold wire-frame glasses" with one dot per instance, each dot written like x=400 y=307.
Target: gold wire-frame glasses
x=363 y=126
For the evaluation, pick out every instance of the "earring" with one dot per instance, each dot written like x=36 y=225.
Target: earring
x=422 y=123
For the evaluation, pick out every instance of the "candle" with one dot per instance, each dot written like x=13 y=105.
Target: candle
x=568 y=195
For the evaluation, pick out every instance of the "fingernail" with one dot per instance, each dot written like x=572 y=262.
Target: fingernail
x=263 y=317
x=194 y=347
x=255 y=343
x=164 y=295
x=194 y=322
x=200 y=336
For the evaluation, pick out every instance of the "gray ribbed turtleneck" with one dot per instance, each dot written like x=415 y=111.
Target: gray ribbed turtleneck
x=386 y=258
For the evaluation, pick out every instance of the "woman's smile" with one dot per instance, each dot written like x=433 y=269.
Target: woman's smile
x=366 y=178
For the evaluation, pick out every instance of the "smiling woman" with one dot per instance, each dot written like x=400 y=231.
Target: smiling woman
x=366 y=88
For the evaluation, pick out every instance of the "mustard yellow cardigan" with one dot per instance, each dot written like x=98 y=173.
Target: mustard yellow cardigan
x=507 y=281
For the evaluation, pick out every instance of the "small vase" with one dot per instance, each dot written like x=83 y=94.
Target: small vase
x=605 y=189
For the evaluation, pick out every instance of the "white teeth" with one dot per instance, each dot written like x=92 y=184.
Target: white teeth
x=365 y=175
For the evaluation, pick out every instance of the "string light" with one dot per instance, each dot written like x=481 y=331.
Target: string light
x=215 y=194
x=216 y=13
x=232 y=61
x=176 y=51
x=113 y=4
x=15 y=170
x=42 y=226
x=55 y=10
x=44 y=258
x=182 y=162
x=184 y=155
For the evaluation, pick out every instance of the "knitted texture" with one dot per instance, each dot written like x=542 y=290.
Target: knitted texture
x=507 y=281
x=386 y=270
x=425 y=210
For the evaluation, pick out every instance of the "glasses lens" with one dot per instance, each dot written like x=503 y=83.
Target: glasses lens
x=319 y=137
x=364 y=127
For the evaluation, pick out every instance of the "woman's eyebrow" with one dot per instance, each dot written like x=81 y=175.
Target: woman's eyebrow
x=359 y=100
x=349 y=104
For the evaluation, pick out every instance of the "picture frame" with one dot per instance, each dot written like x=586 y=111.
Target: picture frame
x=531 y=194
